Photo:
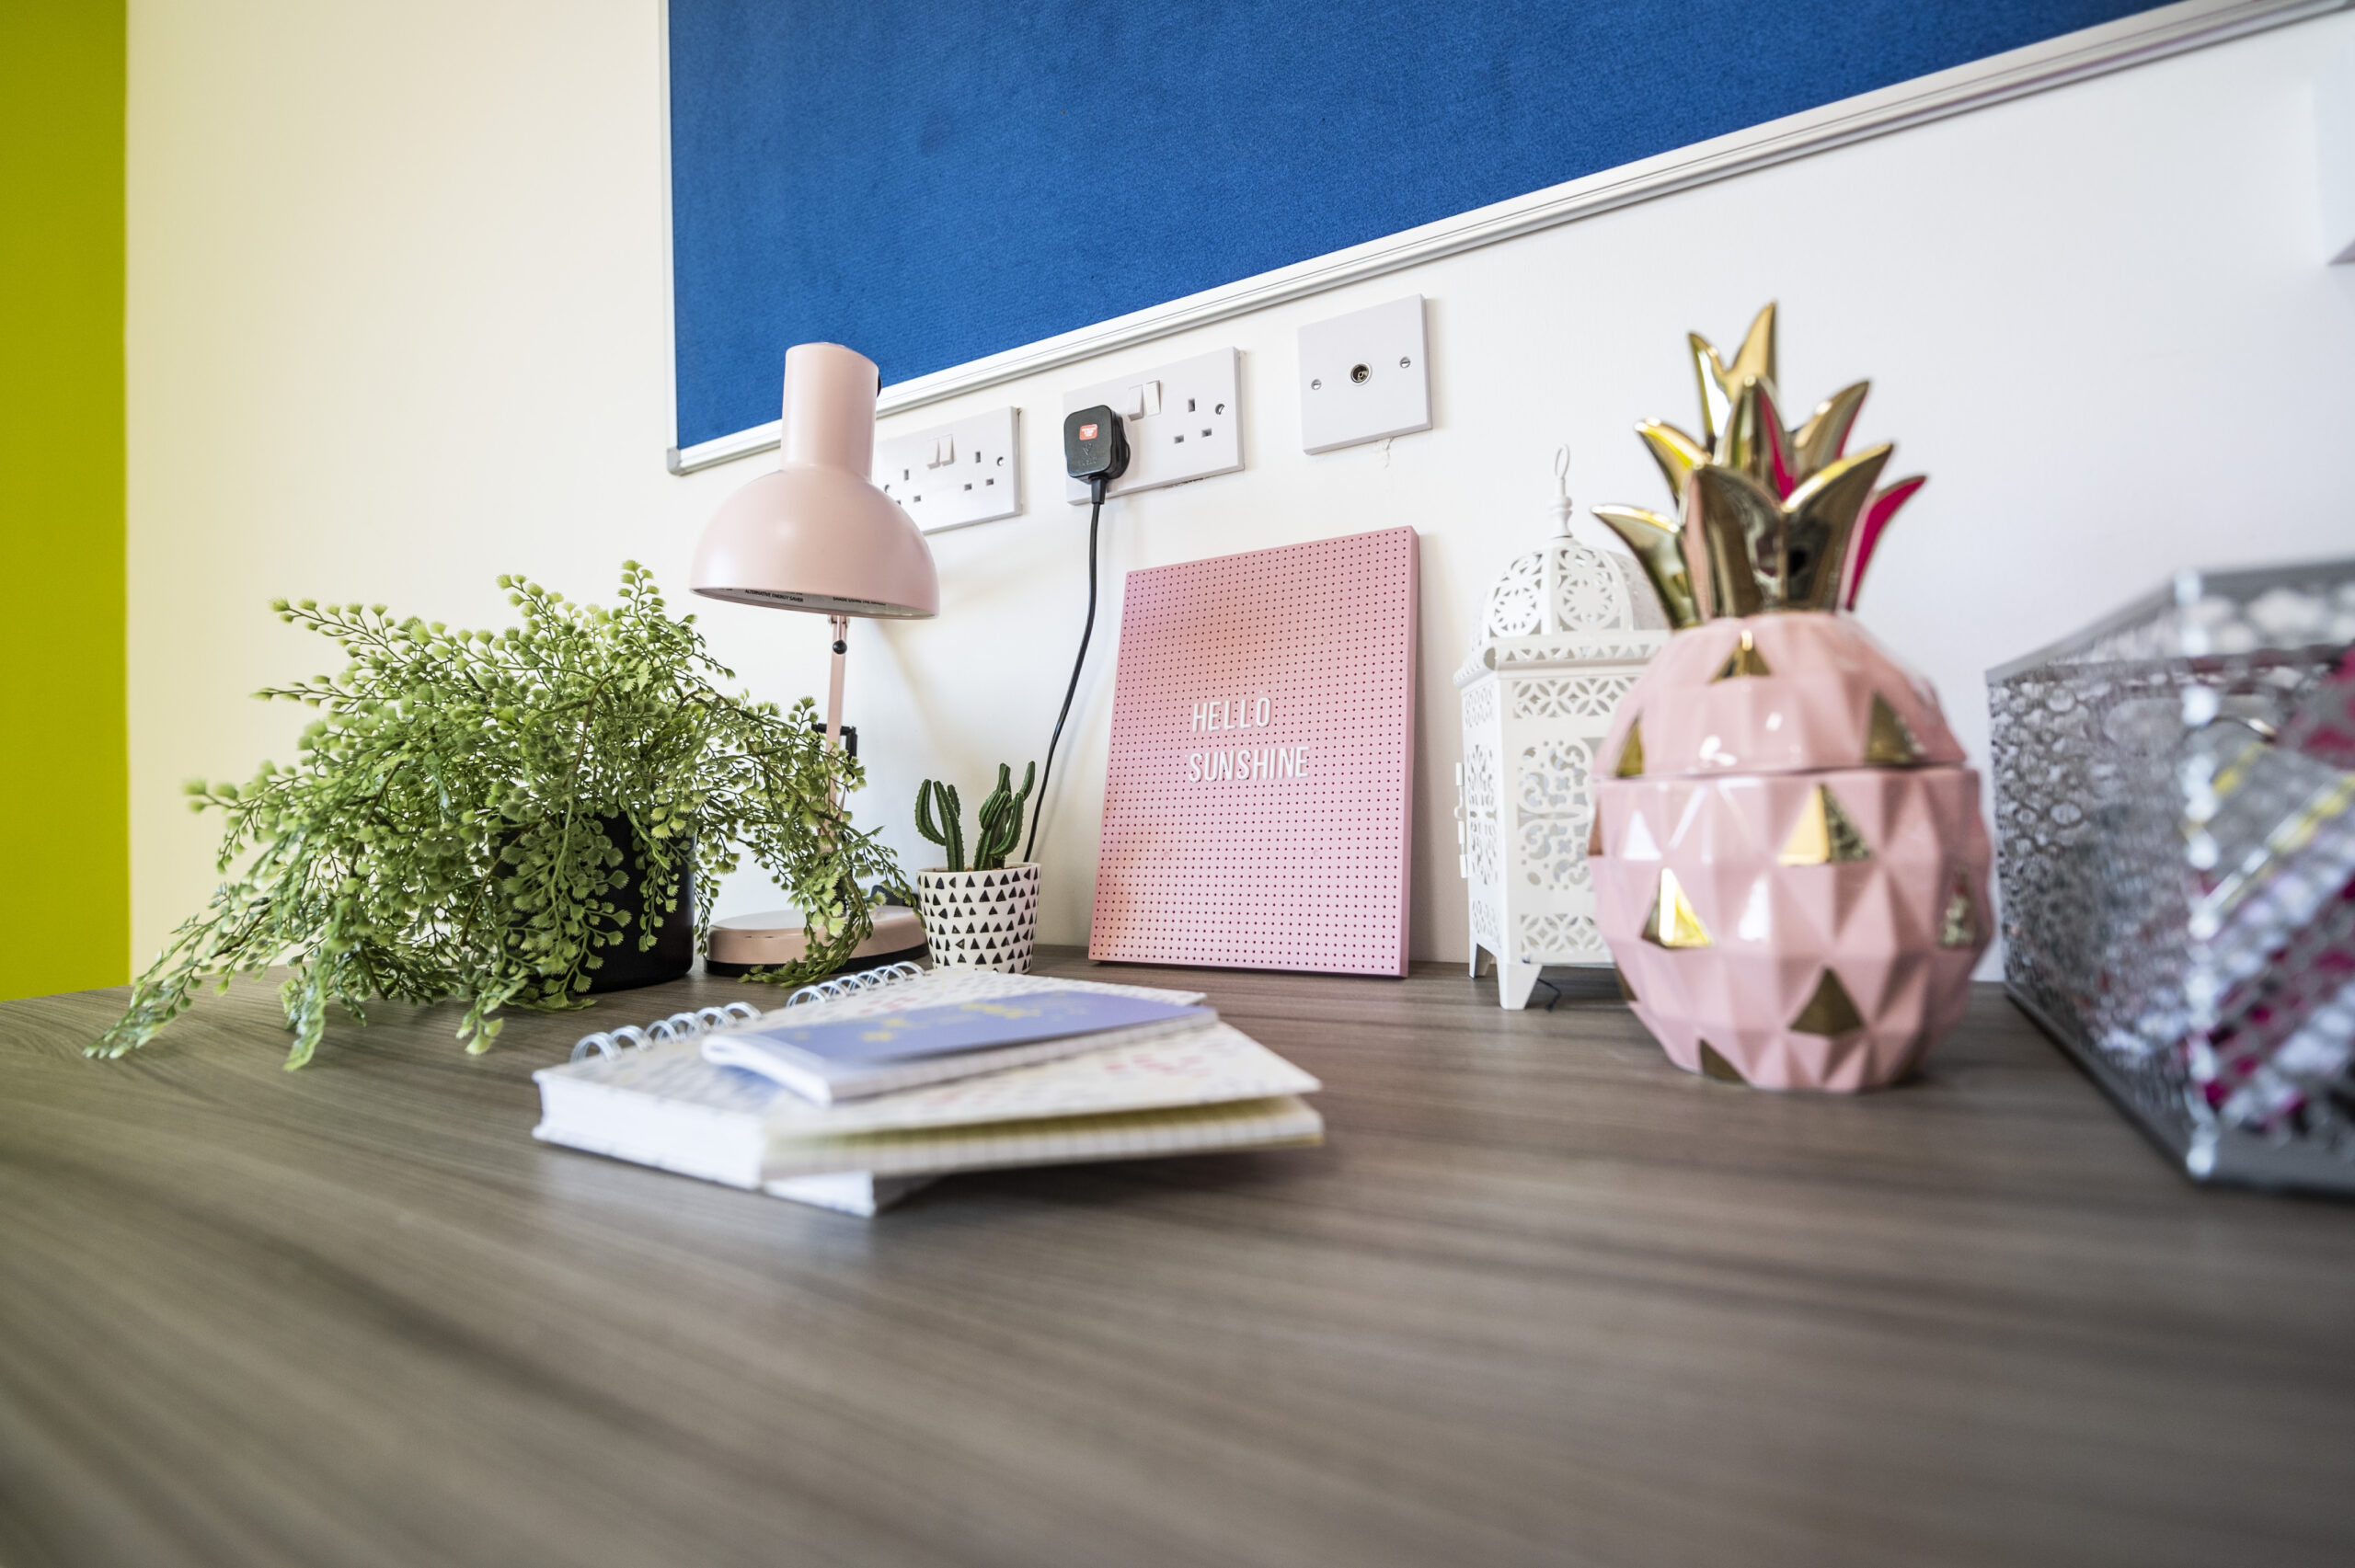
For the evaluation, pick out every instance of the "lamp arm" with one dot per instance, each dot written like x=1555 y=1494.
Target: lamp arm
x=835 y=682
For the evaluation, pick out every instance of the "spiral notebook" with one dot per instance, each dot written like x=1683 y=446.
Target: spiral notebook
x=1197 y=1090
x=831 y=1060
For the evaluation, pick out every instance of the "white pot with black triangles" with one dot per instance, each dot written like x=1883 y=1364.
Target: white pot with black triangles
x=982 y=920
x=986 y=918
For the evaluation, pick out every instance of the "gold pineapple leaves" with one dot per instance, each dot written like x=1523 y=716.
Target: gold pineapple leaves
x=1758 y=553
x=1720 y=380
x=1754 y=441
x=1802 y=534
x=1825 y=434
x=1677 y=454
x=1660 y=551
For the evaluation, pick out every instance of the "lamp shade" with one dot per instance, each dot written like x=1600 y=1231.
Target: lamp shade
x=817 y=534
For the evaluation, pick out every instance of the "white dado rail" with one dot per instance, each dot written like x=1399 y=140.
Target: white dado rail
x=1979 y=83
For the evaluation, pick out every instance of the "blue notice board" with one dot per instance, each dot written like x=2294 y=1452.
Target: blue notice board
x=932 y=183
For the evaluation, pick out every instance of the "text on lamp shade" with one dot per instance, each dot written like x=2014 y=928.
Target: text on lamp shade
x=1242 y=764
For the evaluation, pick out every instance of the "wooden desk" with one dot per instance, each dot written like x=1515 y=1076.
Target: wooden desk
x=1541 y=1299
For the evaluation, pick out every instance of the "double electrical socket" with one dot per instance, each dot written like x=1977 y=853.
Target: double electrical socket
x=1184 y=421
x=954 y=474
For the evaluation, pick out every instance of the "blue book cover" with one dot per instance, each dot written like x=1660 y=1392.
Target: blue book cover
x=983 y=1023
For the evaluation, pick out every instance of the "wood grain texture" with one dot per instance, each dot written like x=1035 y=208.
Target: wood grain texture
x=1541 y=1299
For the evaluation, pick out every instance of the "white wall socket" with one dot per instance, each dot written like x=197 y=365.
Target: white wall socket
x=1363 y=376
x=954 y=474
x=1183 y=422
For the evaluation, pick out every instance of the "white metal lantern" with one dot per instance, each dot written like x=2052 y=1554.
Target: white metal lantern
x=1564 y=634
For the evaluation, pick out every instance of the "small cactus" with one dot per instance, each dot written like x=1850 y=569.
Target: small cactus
x=999 y=820
x=947 y=833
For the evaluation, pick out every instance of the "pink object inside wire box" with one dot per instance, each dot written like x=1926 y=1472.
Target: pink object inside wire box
x=1261 y=782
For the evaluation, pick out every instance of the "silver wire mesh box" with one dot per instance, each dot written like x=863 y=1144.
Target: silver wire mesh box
x=2175 y=848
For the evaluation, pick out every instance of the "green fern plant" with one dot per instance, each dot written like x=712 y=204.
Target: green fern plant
x=445 y=830
x=999 y=820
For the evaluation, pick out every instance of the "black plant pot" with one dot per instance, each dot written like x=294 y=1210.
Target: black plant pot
x=627 y=966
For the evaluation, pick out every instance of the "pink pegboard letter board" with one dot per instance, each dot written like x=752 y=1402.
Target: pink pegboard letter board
x=1261 y=784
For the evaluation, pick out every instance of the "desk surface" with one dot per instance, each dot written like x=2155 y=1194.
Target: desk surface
x=1541 y=1299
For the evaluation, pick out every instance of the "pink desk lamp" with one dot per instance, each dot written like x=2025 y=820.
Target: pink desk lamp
x=817 y=535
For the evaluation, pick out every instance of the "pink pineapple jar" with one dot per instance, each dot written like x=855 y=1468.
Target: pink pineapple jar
x=1789 y=863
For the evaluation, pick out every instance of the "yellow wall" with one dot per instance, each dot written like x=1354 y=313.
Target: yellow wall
x=64 y=818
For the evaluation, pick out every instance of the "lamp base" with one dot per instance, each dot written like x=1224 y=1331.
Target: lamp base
x=741 y=943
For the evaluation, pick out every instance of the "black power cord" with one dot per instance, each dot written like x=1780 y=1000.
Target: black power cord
x=1095 y=511
x=1095 y=449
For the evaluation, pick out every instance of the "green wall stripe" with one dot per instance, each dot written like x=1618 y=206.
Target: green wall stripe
x=64 y=802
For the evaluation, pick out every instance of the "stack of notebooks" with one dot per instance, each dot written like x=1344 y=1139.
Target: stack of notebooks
x=853 y=1102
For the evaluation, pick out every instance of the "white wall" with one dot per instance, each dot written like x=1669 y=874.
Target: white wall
x=399 y=322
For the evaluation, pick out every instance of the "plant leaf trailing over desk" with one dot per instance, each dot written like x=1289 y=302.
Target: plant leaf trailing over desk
x=443 y=833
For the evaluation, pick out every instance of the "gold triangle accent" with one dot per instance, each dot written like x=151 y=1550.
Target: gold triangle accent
x=1594 y=835
x=1716 y=1067
x=1631 y=752
x=1888 y=742
x=1960 y=926
x=1828 y=1011
x=1824 y=835
x=1626 y=991
x=1672 y=922
x=1745 y=659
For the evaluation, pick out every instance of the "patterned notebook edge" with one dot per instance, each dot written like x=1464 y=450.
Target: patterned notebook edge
x=851 y=1001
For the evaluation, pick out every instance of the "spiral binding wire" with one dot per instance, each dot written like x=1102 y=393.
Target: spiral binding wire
x=678 y=1026
x=850 y=985
x=703 y=1020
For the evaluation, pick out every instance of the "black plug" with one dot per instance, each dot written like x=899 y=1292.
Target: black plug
x=1095 y=448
